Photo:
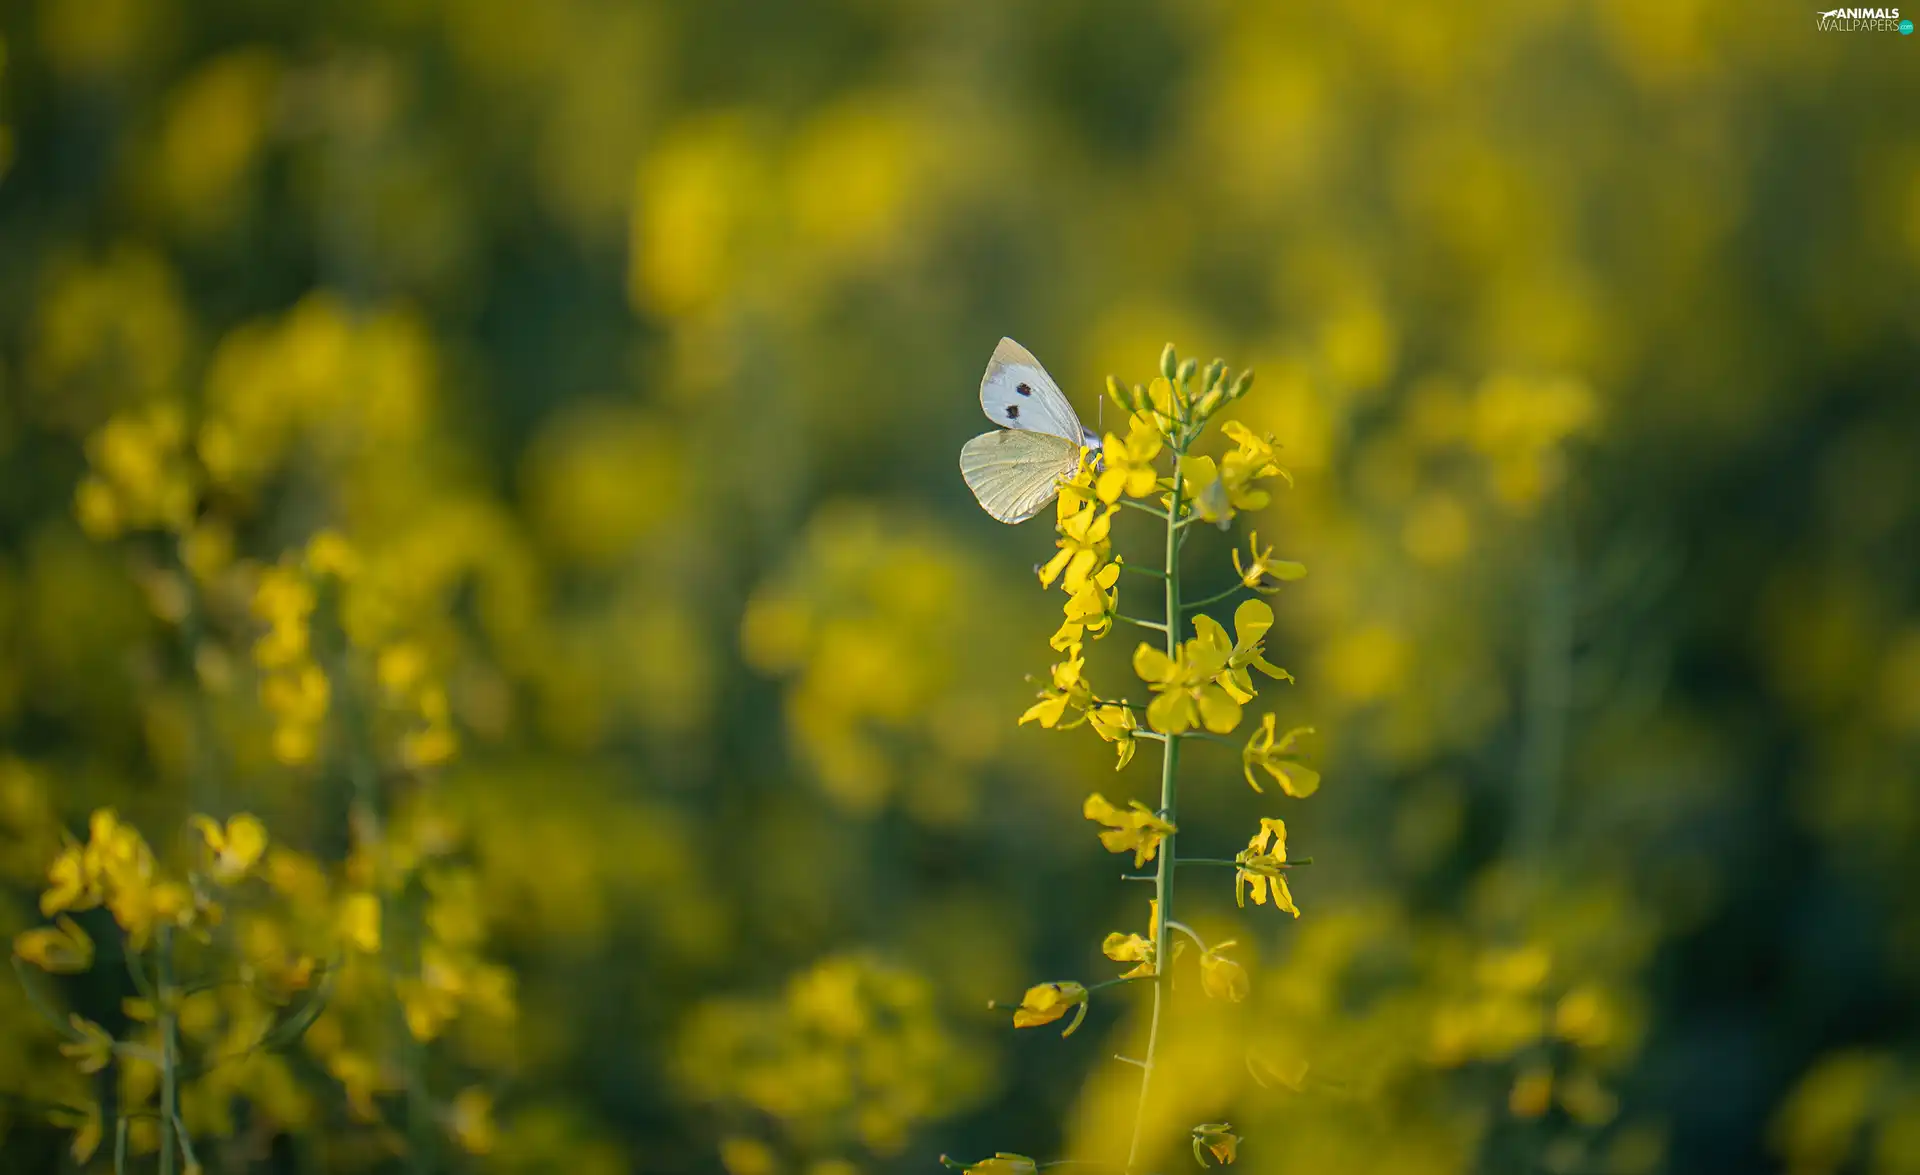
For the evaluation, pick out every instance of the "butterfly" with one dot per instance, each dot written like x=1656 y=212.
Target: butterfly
x=1016 y=471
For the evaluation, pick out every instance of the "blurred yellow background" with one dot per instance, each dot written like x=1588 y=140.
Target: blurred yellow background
x=629 y=345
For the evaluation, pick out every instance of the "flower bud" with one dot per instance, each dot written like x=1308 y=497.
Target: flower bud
x=1188 y=366
x=1242 y=385
x=1169 y=362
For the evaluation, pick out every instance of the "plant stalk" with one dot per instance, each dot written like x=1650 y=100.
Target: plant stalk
x=1169 y=796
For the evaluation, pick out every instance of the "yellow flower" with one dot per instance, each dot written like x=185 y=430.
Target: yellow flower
x=1083 y=544
x=60 y=949
x=142 y=902
x=1168 y=405
x=1221 y=977
x=1273 y=756
x=73 y=882
x=1046 y=1002
x=1187 y=694
x=400 y=669
x=1262 y=572
x=1129 y=462
x=1217 y=1138
x=284 y=599
x=235 y=848
x=1532 y=1092
x=1263 y=867
x=85 y=1123
x=1202 y=488
x=1256 y=457
x=1068 y=692
x=1251 y=620
x=94 y=1048
x=359 y=922
x=1140 y=830
x=1115 y=724
x=1132 y=948
x=470 y=1120
x=1089 y=611
x=328 y=553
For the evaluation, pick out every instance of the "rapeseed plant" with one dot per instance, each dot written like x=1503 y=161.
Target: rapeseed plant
x=238 y=950
x=1196 y=687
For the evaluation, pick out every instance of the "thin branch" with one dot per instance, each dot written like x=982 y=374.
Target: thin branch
x=1197 y=605
x=1156 y=625
x=1183 y=928
x=1156 y=511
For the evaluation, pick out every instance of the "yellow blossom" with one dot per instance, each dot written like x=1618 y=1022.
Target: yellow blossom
x=236 y=848
x=1274 y=756
x=359 y=922
x=1218 y=1139
x=1262 y=572
x=1251 y=620
x=1068 y=692
x=60 y=949
x=1089 y=611
x=1202 y=488
x=1221 y=977
x=86 y=1125
x=1186 y=689
x=1115 y=723
x=1263 y=868
x=72 y=884
x=1129 y=461
x=1046 y=1002
x=1083 y=544
x=1133 y=948
x=1255 y=457
x=1169 y=407
x=328 y=553
x=470 y=1120
x=1140 y=830
x=94 y=1048
x=284 y=599
x=1532 y=1092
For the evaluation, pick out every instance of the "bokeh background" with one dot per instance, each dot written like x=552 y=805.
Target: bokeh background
x=639 y=338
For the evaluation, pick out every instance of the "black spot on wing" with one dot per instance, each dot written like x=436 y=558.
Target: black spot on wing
x=1013 y=410
x=1024 y=390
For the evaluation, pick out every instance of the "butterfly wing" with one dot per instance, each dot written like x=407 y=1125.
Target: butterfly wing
x=1017 y=392
x=1014 y=474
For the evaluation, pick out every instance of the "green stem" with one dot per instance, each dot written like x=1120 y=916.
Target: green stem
x=1139 y=570
x=1235 y=590
x=1156 y=511
x=169 y=1050
x=1153 y=624
x=1169 y=795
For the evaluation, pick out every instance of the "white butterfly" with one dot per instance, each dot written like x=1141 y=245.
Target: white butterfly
x=1015 y=472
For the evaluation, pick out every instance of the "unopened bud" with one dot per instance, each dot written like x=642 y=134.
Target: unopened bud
x=1169 y=363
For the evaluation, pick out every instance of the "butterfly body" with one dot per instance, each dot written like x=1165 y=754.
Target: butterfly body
x=1016 y=471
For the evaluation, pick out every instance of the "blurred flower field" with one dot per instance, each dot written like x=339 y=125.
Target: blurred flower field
x=500 y=672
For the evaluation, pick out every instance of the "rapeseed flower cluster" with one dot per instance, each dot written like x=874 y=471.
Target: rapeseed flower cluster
x=251 y=962
x=841 y=1065
x=1190 y=688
